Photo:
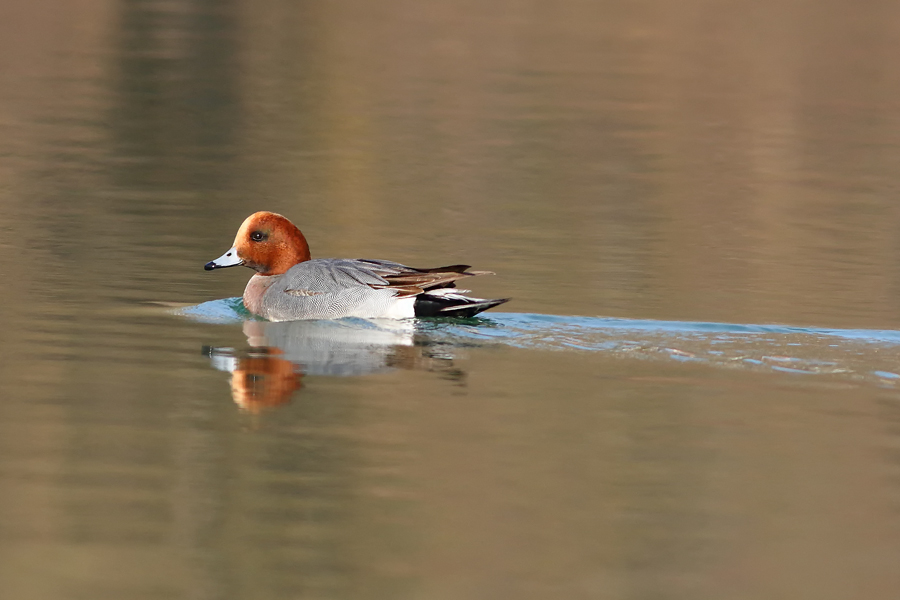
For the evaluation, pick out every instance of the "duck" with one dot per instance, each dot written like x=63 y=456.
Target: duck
x=290 y=285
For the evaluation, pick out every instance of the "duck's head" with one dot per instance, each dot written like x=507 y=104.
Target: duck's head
x=266 y=242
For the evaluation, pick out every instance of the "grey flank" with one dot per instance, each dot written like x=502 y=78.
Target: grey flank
x=331 y=288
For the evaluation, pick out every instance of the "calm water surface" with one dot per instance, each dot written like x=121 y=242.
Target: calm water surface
x=694 y=393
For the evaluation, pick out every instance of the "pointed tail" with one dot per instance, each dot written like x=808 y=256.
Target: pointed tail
x=450 y=303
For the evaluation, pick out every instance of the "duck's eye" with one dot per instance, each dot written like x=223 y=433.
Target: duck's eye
x=258 y=236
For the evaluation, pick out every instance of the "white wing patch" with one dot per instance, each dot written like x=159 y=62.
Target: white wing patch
x=302 y=292
x=447 y=292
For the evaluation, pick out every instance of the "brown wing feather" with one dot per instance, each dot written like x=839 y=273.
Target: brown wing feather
x=408 y=281
x=448 y=269
x=426 y=280
x=403 y=291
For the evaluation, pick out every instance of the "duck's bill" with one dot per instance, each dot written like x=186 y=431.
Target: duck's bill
x=229 y=259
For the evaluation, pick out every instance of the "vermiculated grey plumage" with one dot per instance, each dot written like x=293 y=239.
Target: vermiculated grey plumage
x=334 y=288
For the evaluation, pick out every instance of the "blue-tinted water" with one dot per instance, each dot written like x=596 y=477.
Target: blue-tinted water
x=850 y=353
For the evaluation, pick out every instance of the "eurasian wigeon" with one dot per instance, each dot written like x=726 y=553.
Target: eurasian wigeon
x=288 y=285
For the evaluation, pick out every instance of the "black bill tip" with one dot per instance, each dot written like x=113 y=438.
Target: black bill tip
x=210 y=266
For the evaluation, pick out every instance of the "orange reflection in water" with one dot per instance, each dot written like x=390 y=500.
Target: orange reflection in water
x=264 y=380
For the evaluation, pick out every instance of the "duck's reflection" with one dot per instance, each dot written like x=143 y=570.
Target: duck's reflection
x=262 y=379
x=271 y=369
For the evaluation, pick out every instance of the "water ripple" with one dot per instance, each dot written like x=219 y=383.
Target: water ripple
x=855 y=353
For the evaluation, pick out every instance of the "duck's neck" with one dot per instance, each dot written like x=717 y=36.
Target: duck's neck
x=255 y=290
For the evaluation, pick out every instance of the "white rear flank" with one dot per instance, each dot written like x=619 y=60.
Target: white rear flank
x=401 y=308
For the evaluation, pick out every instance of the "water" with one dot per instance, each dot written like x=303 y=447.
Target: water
x=693 y=208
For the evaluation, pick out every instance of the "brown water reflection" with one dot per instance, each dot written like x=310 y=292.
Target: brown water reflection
x=696 y=160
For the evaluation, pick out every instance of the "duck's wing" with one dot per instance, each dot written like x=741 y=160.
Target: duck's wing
x=332 y=275
x=408 y=281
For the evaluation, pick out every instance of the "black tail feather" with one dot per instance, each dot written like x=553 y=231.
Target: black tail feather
x=455 y=306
